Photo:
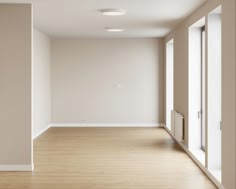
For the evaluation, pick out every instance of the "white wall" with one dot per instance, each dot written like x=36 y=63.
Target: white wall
x=15 y=84
x=228 y=94
x=110 y=81
x=41 y=82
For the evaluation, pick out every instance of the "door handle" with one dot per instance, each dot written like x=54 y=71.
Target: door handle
x=220 y=125
x=199 y=114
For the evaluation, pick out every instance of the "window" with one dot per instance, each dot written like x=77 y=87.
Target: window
x=169 y=81
x=196 y=90
x=203 y=81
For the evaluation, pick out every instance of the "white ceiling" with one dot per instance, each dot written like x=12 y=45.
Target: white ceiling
x=80 y=18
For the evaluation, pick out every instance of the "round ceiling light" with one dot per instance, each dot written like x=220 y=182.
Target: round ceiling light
x=113 y=12
x=114 y=29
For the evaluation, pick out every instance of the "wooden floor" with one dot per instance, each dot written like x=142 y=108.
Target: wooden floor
x=107 y=158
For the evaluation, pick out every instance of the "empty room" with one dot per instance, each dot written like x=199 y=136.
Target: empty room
x=117 y=94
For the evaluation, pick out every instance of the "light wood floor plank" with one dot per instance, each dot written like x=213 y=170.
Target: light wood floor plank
x=107 y=158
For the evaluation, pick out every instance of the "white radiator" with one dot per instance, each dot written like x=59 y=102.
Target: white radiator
x=177 y=125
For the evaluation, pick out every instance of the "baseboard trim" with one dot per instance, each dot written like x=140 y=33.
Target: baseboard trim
x=40 y=132
x=197 y=162
x=98 y=125
x=16 y=167
x=106 y=125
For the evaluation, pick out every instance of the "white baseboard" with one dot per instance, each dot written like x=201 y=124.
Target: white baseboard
x=16 y=167
x=40 y=132
x=106 y=125
x=198 y=163
x=97 y=125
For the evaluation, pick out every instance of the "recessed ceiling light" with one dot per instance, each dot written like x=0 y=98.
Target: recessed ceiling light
x=113 y=12
x=114 y=29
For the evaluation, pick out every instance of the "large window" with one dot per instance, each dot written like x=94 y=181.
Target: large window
x=196 y=90
x=214 y=91
x=204 y=95
x=203 y=65
x=169 y=81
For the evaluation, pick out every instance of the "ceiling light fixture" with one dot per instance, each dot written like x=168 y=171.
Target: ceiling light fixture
x=114 y=29
x=113 y=12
